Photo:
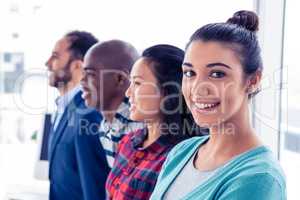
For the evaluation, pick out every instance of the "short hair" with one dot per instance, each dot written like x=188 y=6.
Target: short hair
x=115 y=54
x=80 y=42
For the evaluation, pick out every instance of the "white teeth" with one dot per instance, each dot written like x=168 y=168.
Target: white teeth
x=204 y=106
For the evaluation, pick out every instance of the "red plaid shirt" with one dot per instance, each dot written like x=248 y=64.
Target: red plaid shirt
x=136 y=169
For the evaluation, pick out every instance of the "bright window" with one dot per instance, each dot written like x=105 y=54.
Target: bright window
x=290 y=152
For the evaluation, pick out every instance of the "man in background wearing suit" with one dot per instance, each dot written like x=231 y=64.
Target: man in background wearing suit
x=78 y=167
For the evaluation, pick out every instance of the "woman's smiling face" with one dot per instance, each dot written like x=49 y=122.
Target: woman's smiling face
x=213 y=82
x=144 y=93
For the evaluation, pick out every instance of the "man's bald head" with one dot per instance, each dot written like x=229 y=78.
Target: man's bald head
x=112 y=54
x=106 y=68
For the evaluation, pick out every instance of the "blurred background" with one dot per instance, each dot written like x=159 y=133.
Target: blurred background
x=30 y=28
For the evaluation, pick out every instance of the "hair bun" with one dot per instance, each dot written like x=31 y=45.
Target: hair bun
x=246 y=19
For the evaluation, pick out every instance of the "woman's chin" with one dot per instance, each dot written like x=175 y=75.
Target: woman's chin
x=133 y=116
x=207 y=122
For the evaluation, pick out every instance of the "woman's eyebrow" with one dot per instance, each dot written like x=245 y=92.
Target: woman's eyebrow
x=209 y=65
x=187 y=64
x=134 y=77
x=217 y=64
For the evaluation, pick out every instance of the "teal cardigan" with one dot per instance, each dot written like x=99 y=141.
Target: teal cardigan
x=253 y=175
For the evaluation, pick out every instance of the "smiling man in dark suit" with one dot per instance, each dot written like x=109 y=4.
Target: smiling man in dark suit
x=78 y=167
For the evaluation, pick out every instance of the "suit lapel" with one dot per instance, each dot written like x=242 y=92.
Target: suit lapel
x=57 y=134
x=66 y=117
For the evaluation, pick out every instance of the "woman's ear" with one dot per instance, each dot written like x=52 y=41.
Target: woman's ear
x=253 y=82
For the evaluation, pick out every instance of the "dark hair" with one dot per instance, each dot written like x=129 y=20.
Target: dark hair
x=239 y=34
x=165 y=62
x=80 y=42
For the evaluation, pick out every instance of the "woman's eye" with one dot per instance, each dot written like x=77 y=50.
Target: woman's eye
x=189 y=73
x=217 y=74
x=136 y=83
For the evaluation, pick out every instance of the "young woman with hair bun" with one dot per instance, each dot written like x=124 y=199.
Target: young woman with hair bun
x=222 y=70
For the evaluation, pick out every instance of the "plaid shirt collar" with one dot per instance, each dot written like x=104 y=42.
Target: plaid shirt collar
x=158 y=147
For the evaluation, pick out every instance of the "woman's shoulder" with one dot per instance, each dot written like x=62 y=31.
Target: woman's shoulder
x=258 y=185
x=265 y=162
x=258 y=164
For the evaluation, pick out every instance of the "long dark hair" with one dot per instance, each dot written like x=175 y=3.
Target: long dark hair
x=165 y=62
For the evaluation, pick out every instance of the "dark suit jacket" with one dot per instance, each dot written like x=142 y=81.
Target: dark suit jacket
x=78 y=167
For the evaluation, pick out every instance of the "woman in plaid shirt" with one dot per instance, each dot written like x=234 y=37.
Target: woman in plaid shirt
x=156 y=99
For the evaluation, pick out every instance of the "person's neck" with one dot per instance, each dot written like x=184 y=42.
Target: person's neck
x=233 y=136
x=68 y=87
x=154 y=133
x=229 y=139
x=110 y=111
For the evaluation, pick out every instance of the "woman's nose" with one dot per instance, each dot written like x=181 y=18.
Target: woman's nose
x=83 y=79
x=202 y=87
x=128 y=91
